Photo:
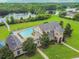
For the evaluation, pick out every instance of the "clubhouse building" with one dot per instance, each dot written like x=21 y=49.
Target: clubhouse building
x=16 y=38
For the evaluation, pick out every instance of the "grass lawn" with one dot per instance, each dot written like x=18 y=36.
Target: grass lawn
x=36 y=56
x=60 y=52
x=54 y=51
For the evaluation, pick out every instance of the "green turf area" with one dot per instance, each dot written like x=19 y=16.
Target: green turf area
x=37 y=56
x=60 y=52
x=54 y=51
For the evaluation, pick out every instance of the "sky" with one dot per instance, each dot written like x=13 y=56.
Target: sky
x=34 y=1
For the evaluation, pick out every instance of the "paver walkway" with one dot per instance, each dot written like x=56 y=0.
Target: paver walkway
x=44 y=55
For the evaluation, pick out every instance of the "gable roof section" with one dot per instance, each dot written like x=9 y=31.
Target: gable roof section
x=13 y=42
x=51 y=26
x=45 y=27
x=56 y=26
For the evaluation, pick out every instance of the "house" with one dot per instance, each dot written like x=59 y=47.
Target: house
x=16 y=39
x=71 y=12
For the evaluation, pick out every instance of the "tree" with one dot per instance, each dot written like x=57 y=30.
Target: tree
x=5 y=53
x=12 y=20
x=62 y=14
x=62 y=7
x=76 y=17
x=50 y=7
x=29 y=46
x=40 y=11
x=7 y=20
x=61 y=24
x=68 y=31
x=45 y=40
x=21 y=20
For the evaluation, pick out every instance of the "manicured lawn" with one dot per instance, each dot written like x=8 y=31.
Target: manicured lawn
x=37 y=56
x=54 y=51
x=60 y=52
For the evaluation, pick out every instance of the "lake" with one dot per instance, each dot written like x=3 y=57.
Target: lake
x=18 y=15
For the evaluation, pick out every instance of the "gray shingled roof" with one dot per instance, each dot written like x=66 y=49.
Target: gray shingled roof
x=57 y=26
x=13 y=42
x=45 y=27
x=51 y=26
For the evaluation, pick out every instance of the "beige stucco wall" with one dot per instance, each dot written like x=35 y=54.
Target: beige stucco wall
x=58 y=35
x=15 y=52
x=38 y=29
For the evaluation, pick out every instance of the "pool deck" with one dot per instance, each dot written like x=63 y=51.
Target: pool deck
x=16 y=33
x=19 y=36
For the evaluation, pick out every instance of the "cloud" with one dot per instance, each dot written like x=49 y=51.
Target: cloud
x=28 y=1
x=68 y=1
x=3 y=1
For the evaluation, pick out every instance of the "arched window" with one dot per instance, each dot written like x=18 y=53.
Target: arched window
x=60 y=40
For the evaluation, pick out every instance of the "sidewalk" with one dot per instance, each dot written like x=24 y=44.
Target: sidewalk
x=44 y=55
x=70 y=47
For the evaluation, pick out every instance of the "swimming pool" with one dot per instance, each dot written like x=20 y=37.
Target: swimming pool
x=2 y=44
x=27 y=32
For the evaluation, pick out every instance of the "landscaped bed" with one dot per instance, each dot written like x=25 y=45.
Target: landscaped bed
x=54 y=51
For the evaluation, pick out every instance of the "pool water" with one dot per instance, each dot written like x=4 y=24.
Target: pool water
x=2 y=44
x=27 y=32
